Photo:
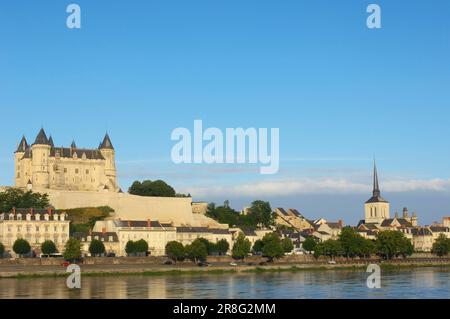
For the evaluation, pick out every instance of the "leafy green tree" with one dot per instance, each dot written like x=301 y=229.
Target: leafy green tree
x=157 y=188
x=392 y=243
x=2 y=250
x=130 y=248
x=210 y=247
x=441 y=246
x=15 y=197
x=222 y=247
x=96 y=248
x=331 y=248
x=48 y=247
x=258 y=246
x=366 y=247
x=241 y=247
x=175 y=250
x=72 y=249
x=262 y=213
x=349 y=240
x=21 y=247
x=273 y=247
x=288 y=245
x=309 y=245
x=141 y=247
x=319 y=250
x=197 y=250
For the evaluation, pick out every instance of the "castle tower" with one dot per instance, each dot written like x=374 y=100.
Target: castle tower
x=376 y=208
x=107 y=150
x=40 y=160
x=19 y=173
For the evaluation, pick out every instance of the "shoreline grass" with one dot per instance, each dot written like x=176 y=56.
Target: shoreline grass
x=224 y=271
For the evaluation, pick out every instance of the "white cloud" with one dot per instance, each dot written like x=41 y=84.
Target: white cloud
x=317 y=186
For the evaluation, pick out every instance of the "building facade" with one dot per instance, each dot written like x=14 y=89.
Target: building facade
x=43 y=165
x=35 y=226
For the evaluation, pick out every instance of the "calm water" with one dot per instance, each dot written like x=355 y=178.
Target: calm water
x=423 y=284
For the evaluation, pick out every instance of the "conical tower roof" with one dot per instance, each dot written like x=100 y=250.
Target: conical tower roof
x=50 y=141
x=106 y=144
x=41 y=138
x=23 y=145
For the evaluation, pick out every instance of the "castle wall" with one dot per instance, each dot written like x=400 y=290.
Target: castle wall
x=128 y=207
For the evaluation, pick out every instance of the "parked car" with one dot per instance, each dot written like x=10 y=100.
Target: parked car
x=332 y=262
x=233 y=264
x=168 y=262
x=263 y=263
x=203 y=264
x=111 y=255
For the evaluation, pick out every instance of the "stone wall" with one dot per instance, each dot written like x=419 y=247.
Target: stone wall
x=128 y=207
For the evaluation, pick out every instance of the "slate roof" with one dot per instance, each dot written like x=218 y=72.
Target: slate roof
x=100 y=235
x=106 y=144
x=421 y=232
x=139 y=223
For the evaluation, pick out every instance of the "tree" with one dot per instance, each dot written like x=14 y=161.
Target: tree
x=241 y=247
x=288 y=245
x=2 y=250
x=72 y=249
x=272 y=247
x=366 y=247
x=222 y=247
x=157 y=188
x=130 y=248
x=96 y=248
x=14 y=197
x=141 y=247
x=331 y=248
x=197 y=250
x=349 y=240
x=210 y=247
x=309 y=245
x=441 y=246
x=392 y=243
x=48 y=247
x=258 y=246
x=175 y=250
x=262 y=213
x=21 y=247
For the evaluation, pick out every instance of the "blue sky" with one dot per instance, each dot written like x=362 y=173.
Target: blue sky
x=339 y=92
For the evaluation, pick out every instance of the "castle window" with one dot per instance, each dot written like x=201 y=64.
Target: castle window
x=87 y=171
x=76 y=170
x=65 y=170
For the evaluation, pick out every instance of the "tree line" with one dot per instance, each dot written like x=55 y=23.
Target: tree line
x=389 y=244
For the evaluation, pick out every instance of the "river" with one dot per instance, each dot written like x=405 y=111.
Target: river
x=424 y=283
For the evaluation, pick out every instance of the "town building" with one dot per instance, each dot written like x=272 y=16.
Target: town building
x=156 y=234
x=44 y=165
x=291 y=218
x=35 y=226
x=109 y=239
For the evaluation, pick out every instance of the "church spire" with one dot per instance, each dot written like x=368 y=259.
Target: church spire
x=376 y=186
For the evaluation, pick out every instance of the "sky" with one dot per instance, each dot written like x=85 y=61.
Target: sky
x=339 y=93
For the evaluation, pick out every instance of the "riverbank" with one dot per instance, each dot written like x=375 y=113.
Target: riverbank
x=152 y=270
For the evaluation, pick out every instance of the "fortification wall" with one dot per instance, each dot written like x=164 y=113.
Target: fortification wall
x=126 y=206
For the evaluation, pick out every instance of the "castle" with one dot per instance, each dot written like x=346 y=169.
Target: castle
x=42 y=165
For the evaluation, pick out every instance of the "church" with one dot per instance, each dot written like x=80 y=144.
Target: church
x=46 y=166
x=378 y=216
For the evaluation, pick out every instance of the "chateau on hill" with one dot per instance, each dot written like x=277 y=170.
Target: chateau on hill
x=43 y=165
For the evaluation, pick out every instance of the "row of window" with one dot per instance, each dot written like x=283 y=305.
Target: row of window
x=37 y=229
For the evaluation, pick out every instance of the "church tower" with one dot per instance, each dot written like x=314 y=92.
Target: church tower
x=40 y=160
x=108 y=152
x=376 y=208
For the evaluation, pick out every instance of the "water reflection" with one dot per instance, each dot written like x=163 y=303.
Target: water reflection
x=424 y=283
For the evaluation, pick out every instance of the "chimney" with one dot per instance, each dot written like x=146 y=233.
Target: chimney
x=129 y=223
x=341 y=223
x=14 y=210
x=149 y=223
x=31 y=211
x=49 y=211
x=104 y=230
